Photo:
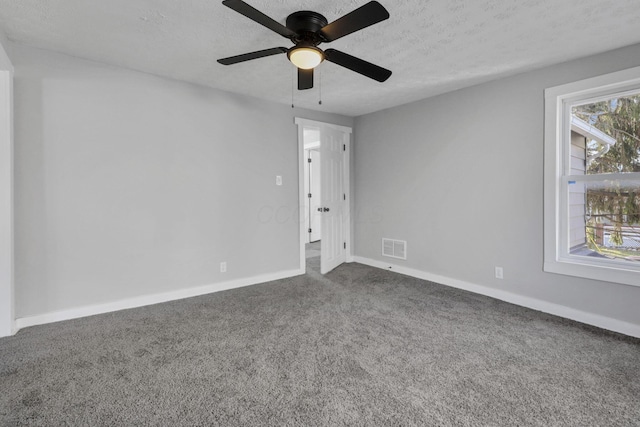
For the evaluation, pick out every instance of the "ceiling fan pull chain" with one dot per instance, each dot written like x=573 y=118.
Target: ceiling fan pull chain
x=320 y=85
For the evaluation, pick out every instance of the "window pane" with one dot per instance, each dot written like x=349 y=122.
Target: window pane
x=605 y=136
x=610 y=224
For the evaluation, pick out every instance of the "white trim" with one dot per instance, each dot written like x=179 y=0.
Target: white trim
x=591 y=132
x=600 y=321
x=602 y=177
x=301 y=199
x=347 y=191
x=607 y=83
x=557 y=167
x=301 y=123
x=91 y=310
x=7 y=324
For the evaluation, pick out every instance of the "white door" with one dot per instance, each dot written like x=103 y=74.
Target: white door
x=333 y=204
x=307 y=200
x=315 y=217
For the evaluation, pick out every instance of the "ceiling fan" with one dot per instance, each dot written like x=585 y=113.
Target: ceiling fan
x=307 y=30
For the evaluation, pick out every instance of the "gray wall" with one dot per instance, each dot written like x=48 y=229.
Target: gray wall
x=6 y=192
x=460 y=177
x=129 y=184
x=5 y=53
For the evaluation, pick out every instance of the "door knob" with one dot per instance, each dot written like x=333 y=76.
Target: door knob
x=325 y=209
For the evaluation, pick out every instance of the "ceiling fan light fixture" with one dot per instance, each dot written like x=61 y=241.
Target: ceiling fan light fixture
x=307 y=30
x=305 y=57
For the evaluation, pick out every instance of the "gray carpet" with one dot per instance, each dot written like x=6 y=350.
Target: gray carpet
x=359 y=346
x=313 y=249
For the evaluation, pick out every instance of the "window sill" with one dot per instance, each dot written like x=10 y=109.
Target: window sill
x=575 y=266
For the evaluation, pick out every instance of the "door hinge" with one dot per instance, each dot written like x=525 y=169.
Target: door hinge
x=309 y=195
x=345 y=245
x=309 y=230
x=309 y=160
x=344 y=147
x=344 y=196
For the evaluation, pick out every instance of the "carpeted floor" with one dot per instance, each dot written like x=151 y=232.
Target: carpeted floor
x=359 y=346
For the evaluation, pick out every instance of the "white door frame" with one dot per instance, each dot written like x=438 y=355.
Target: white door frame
x=7 y=317
x=313 y=220
x=301 y=122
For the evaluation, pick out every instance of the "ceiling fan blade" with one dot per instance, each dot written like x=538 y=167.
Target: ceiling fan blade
x=364 y=16
x=358 y=65
x=259 y=17
x=252 y=55
x=305 y=79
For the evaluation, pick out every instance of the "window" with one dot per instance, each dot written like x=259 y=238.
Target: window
x=592 y=178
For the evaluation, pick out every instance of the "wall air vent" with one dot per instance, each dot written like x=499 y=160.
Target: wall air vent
x=394 y=248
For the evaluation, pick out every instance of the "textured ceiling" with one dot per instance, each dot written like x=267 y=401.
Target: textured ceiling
x=432 y=46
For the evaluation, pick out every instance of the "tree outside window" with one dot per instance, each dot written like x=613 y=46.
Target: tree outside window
x=611 y=198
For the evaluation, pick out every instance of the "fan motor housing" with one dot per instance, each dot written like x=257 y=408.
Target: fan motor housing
x=306 y=24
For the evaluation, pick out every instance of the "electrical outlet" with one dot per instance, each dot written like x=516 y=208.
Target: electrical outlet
x=499 y=273
x=278 y=180
x=223 y=267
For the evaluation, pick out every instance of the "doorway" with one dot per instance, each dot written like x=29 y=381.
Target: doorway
x=312 y=182
x=324 y=155
x=312 y=191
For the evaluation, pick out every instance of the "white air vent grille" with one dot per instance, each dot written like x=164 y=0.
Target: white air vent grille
x=394 y=248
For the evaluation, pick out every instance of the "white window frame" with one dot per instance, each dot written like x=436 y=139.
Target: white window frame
x=557 y=157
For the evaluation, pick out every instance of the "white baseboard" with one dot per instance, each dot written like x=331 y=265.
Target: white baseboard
x=90 y=310
x=524 y=301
